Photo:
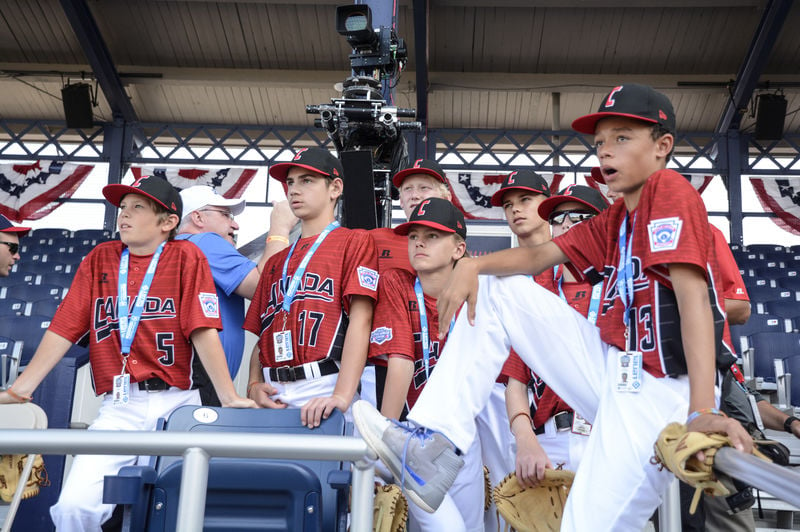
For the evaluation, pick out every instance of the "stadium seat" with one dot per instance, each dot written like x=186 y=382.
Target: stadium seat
x=243 y=494
x=91 y=236
x=756 y=324
x=10 y=356
x=48 y=235
x=789 y=283
x=760 y=294
x=45 y=268
x=35 y=292
x=767 y=250
x=767 y=346
x=27 y=329
x=12 y=307
x=59 y=279
x=44 y=307
x=783 y=309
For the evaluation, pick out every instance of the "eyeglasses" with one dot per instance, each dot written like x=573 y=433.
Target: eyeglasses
x=13 y=247
x=228 y=214
x=576 y=217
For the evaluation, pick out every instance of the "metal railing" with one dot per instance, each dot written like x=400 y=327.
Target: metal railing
x=196 y=449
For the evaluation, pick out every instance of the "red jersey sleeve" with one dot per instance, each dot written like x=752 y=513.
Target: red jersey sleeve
x=392 y=329
x=515 y=368
x=732 y=283
x=360 y=268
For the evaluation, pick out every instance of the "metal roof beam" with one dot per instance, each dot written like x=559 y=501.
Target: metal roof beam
x=421 y=59
x=96 y=51
x=754 y=63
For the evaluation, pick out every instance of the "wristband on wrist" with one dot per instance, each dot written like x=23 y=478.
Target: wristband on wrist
x=697 y=413
x=515 y=416
x=787 y=425
x=277 y=238
x=17 y=397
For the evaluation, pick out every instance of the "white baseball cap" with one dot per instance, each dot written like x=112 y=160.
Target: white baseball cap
x=200 y=196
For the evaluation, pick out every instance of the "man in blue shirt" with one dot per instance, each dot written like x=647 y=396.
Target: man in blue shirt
x=209 y=223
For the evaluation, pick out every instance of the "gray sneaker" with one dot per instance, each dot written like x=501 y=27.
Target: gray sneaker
x=423 y=461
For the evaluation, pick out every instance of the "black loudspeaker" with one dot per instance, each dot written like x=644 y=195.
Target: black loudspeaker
x=770 y=117
x=77 y=100
x=359 y=209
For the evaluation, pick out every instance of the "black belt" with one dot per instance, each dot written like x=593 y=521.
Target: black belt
x=563 y=421
x=153 y=385
x=324 y=367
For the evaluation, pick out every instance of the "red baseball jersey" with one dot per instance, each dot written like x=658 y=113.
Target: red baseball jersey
x=669 y=225
x=730 y=278
x=396 y=328
x=344 y=265
x=182 y=298
x=392 y=250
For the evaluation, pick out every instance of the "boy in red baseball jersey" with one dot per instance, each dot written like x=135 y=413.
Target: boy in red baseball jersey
x=405 y=318
x=312 y=309
x=649 y=361
x=147 y=304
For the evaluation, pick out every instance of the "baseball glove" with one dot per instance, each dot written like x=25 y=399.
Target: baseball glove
x=390 y=511
x=534 y=509
x=676 y=448
x=11 y=467
x=487 y=489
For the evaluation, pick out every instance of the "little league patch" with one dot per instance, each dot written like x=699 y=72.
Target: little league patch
x=210 y=304
x=380 y=335
x=664 y=233
x=368 y=278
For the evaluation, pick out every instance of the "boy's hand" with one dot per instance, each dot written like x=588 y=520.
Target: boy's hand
x=262 y=393
x=740 y=439
x=239 y=402
x=282 y=220
x=531 y=462
x=462 y=286
x=313 y=412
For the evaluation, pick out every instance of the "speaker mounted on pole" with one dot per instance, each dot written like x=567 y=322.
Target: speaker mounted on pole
x=77 y=100
x=770 y=117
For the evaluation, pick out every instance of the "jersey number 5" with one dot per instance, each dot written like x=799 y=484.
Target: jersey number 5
x=164 y=343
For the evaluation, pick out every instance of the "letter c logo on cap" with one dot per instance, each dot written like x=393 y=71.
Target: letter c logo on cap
x=610 y=100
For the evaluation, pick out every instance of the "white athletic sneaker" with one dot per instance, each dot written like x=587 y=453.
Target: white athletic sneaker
x=422 y=460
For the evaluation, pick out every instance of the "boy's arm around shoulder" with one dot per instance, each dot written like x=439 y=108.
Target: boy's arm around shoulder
x=354 y=357
x=697 y=331
x=463 y=283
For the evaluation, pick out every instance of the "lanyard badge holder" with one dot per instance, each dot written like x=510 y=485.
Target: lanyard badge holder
x=282 y=340
x=629 y=363
x=129 y=322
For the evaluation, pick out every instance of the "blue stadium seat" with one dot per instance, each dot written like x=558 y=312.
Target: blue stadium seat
x=767 y=250
x=760 y=294
x=44 y=307
x=35 y=292
x=17 y=277
x=783 y=309
x=45 y=268
x=10 y=355
x=756 y=324
x=91 y=236
x=12 y=307
x=789 y=283
x=48 y=235
x=792 y=365
x=767 y=346
x=242 y=494
x=59 y=279
x=27 y=329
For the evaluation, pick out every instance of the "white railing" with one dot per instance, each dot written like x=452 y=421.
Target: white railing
x=196 y=449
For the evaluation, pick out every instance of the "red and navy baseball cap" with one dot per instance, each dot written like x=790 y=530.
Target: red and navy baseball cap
x=588 y=196
x=437 y=213
x=632 y=101
x=154 y=187
x=521 y=180
x=420 y=166
x=317 y=160
x=7 y=227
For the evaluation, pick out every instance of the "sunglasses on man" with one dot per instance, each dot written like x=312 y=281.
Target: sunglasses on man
x=13 y=247
x=557 y=218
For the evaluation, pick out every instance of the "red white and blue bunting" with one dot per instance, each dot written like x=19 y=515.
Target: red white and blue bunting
x=229 y=182
x=780 y=196
x=472 y=192
x=32 y=191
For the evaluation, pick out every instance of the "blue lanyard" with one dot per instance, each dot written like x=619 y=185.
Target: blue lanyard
x=625 y=269
x=129 y=323
x=594 y=304
x=291 y=290
x=423 y=326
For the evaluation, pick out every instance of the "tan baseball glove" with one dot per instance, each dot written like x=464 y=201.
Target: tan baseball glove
x=487 y=489
x=676 y=449
x=390 y=510
x=534 y=509
x=11 y=466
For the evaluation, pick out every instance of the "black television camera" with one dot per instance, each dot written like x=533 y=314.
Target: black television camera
x=364 y=129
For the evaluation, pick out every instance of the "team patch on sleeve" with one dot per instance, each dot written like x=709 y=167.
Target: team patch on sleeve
x=368 y=278
x=210 y=304
x=664 y=233
x=380 y=335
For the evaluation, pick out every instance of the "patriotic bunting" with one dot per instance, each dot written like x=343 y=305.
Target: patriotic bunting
x=229 y=182
x=31 y=191
x=472 y=192
x=781 y=197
